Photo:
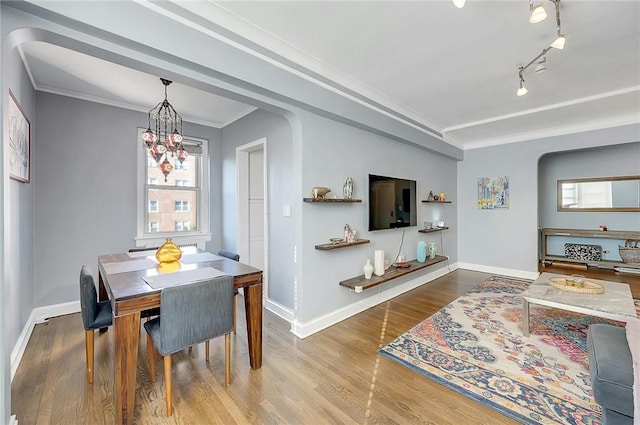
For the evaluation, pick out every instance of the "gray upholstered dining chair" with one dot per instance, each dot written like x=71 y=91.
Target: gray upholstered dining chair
x=235 y=257
x=95 y=315
x=191 y=314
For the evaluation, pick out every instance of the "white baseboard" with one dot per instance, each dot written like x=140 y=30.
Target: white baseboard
x=280 y=310
x=13 y=420
x=38 y=315
x=305 y=329
x=300 y=329
x=522 y=274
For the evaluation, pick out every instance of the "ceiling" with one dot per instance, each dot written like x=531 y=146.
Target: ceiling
x=452 y=70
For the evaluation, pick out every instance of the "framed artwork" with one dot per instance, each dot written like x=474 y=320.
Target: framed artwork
x=493 y=193
x=19 y=141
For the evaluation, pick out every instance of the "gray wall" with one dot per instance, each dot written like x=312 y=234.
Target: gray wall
x=278 y=132
x=85 y=188
x=332 y=152
x=16 y=292
x=509 y=238
x=619 y=160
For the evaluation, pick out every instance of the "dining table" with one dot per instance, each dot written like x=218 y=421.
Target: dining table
x=132 y=282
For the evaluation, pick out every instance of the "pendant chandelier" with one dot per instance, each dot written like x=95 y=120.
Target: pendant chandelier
x=167 y=137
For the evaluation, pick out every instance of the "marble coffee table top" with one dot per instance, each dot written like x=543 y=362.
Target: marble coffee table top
x=615 y=303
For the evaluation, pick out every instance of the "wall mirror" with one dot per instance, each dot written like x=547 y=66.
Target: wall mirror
x=600 y=194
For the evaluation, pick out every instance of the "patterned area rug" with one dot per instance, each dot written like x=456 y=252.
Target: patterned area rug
x=475 y=346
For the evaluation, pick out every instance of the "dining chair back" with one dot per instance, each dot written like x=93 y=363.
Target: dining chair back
x=230 y=255
x=235 y=257
x=191 y=314
x=95 y=315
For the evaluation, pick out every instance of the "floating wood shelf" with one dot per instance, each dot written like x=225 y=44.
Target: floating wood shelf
x=331 y=200
x=330 y=246
x=436 y=202
x=359 y=283
x=433 y=229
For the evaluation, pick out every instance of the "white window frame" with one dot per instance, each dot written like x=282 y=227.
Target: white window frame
x=182 y=204
x=200 y=237
x=157 y=207
x=149 y=228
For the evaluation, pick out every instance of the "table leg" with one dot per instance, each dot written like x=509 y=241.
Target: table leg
x=253 y=311
x=126 y=336
x=525 y=317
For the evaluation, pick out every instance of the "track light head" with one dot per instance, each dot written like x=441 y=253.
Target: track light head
x=459 y=3
x=538 y=14
x=522 y=90
x=558 y=43
x=541 y=66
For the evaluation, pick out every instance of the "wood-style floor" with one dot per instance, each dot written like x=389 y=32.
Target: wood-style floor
x=332 y=377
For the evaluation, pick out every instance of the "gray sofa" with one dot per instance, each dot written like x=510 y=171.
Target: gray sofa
x=611 y=371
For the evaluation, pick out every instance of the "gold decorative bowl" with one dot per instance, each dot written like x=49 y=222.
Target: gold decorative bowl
x=168 y=252
x=569 y=284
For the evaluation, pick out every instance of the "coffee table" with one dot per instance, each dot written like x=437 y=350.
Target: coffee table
x=615 y=303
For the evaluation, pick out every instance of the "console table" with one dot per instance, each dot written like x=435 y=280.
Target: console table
x=586 y=233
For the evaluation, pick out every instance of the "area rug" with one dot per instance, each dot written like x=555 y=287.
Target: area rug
x=475 y=346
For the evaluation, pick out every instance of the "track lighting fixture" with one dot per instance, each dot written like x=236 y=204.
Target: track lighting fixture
x=558 y=43
x=538 y=14
x=459 y=3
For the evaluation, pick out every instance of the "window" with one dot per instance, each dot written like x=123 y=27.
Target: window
x=182 y=206
x=179 y=207
x=177 y=165
x=182 y=226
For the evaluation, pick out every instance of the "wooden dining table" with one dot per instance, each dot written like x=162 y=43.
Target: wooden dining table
x=122 y=281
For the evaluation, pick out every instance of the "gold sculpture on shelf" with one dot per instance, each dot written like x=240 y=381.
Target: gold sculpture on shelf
x=320 y=192
x=168 y=252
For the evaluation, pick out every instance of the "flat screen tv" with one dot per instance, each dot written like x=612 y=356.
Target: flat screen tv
x=392 y=203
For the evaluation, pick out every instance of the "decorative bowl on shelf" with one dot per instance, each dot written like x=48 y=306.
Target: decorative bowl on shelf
x=336 y=240
x=570 y=284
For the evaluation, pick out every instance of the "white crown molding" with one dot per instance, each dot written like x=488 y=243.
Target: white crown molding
x=132 y=107
x=556 y=131
x=544 y=108
x=222 y=17
x=238 y=116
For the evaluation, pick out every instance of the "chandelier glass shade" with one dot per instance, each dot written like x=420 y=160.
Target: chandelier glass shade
x=163 y=136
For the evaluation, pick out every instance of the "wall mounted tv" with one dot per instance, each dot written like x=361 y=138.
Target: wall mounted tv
x=392 y=203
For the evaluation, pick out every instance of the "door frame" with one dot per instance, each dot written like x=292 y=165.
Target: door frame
x=242 y=205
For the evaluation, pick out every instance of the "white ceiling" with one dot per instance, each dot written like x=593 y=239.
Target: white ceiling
x=453 y=70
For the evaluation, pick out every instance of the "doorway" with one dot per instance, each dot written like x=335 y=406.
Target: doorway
x=252 y=238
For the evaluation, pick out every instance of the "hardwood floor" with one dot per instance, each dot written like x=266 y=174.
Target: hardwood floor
x=332 y=377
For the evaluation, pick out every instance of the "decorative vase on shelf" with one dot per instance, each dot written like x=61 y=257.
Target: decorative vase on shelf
x=422 y=251
x=368 y=269
x=378 y=262
x=168 y=252
x=347 y=188
x=432 y=250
